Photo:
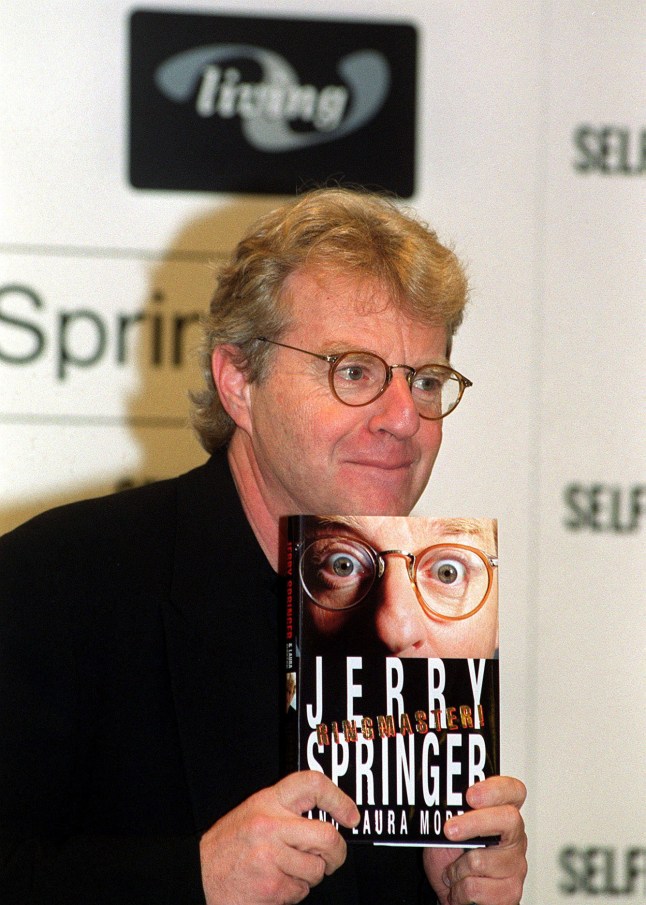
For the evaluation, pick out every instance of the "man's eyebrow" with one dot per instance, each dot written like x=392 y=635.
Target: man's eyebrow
x=451 y=527
x=462 y=525
x=334 y=522
x=340 y=347
x=471 y=526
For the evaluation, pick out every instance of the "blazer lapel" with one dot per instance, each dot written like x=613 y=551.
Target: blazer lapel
x=224 y=650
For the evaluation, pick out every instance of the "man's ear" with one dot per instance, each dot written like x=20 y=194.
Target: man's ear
x=232 y=385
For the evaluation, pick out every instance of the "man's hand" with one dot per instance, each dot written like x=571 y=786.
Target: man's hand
x=488 y=876
x=264 y=851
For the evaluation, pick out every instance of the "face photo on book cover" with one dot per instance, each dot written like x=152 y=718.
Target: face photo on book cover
x=401 y=586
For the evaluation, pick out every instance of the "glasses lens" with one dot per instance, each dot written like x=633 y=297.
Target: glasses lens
x=336 y=572
x=358 y=377
x=436 y=391
x=453 y=581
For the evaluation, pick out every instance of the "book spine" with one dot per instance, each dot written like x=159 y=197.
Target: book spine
x=292 y=644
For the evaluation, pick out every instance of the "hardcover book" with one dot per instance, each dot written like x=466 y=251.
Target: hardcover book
x=392 y=666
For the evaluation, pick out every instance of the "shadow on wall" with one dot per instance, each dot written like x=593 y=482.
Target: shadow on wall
x=152 y=437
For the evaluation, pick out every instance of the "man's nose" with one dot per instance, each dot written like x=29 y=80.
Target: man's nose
x=395 y=410
x=399 y=621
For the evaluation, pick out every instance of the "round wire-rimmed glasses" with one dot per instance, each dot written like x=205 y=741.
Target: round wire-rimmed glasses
x=357 y=378
x=451 y=581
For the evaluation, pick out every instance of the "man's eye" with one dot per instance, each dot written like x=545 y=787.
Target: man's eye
x=343 y=565
x=427 y=384
x=449 y=571
x=337 y=572
x=351 y=373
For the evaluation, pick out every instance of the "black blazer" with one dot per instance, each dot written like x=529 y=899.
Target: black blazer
x=141 y=681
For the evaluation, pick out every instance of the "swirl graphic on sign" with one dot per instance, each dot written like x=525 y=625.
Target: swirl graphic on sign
x=267 y=108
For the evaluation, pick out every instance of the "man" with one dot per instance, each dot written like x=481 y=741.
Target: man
x=139 y=723
x=420 y=587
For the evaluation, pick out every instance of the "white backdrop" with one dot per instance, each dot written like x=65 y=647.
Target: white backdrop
x=532 y=156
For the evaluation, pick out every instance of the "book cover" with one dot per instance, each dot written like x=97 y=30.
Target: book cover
x=392 y=666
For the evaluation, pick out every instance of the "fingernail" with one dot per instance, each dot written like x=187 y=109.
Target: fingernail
x=445 y=879
x=474 y=797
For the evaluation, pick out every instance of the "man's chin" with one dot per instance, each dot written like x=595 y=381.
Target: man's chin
x=376 y=500
x=379 y=490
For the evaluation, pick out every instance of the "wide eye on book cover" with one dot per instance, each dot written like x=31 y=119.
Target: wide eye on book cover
x=392 y=666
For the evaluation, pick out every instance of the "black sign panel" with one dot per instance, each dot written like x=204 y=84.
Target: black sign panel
x=270 y=105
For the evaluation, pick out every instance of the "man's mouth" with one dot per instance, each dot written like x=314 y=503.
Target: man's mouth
x=384 y=464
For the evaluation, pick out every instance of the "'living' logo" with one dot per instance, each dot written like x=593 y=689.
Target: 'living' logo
x=268 y=107
x=223 y=103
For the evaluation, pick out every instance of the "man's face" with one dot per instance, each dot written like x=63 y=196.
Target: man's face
x=391 y=619
x=308 y=452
